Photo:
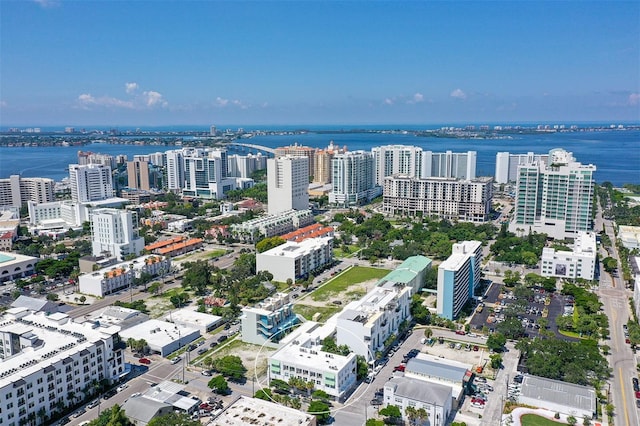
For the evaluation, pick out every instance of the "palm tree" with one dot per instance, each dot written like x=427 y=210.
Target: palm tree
x=42 y=415
x=428 y=332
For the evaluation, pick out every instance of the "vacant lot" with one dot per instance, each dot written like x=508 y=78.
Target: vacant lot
x=351 y=276
x=308 y=311
x=253 y=357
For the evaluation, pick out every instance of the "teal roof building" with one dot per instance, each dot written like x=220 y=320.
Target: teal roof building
x=412 y=273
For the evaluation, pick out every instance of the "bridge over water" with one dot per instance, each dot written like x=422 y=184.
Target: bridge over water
x=253 y=146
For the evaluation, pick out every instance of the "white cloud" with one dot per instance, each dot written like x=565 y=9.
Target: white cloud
x=47 y=3
x=152 y=99
x=418 y=97
x=221 y=102
x=458 y=94
x=87 y=100
x=130 y=87
x=388 y=101
x=3 y=104
x=634 y=99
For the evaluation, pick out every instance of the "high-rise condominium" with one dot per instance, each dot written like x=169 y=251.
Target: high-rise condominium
x=287 y=184
x=16 y=191
x=138 y=174
x=507 y=164
x=115 y=232
x=553 y=197
x=90 y=182
x=353 y=179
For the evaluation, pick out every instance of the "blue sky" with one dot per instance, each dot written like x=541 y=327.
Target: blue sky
x=311 y=62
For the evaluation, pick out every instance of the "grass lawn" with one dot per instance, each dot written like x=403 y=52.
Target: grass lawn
x=308 y=311
x=533 y=420
x=351 y=276
x=215 y=253
x=337 y=251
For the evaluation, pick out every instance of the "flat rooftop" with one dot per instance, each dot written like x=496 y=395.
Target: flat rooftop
x=419 y=390
x=7 y=259
x=294 y=249
x=407 y=270
x=252 y=411
x=157 y=333
x=190 y=316
x=567 y=394
x=441 y=368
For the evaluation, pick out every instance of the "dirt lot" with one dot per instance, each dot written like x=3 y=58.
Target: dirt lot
x=351 y=293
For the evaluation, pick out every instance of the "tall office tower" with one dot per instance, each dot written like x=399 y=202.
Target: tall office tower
x=115 y=232
x=391 y=160
x=353 y=179
x=507 y=164
x=460 y=165
x=138 y=173
x=16 y=191
x=175 y=170
x=554 y=198
x=296 y=150
x=287 y=184
x=213 y=131
x=458 y=277
x=205 y=173
x=91 y=182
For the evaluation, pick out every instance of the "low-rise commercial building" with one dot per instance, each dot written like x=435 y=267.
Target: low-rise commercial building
x=302 y=357
x=556 y=396
x=190 y=318
x=434 y=398
x=47 y=358
x=578 y=263
x=267 y=322
x=253 y=411
x=14 y=266
x=629 y=236
x=162 y=337
x=458 y=277
x=410 y=273
x=364 y=325
x=292 y=260
x=430 y=369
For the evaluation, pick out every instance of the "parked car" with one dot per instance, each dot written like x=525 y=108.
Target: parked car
x=122 y=387
x=399 y=368
x=375 y=402
x=146 y=361
x=201 y=351
x=460 y=332
x=176 y=360
x=206 y=373
x=222 y=339
x=93 y=404
x=213 y=344
x=636 y=385
x=79 y=413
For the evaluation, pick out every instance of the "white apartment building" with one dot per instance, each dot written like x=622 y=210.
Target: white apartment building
x=115 y=231
x=287 y=184
x=50 y=361
x=353 y=179
x=447 y=198
x=269 y=321
x=302 y=357
x=112 y=279
x=293 y=260
x=271 y=225
x=396 y=159
x=458 y=277
x=243 y=166
x=578 y=263
x=458 y=165
x=175 y=170
x=553 y=198
x=365 y=324
x=16 y=191
x=507 y=164
x=90 y=182
x=205 y=174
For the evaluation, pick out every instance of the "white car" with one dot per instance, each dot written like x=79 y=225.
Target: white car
x=122 y=387
x=135 y=395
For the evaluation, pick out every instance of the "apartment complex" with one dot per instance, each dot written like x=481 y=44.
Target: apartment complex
x=353 y=181
x=287 y=184
x=15 y=191
x=90 y=182
x=554 y=198
x=138 y=175
x=447 y=198
x=365 y=324
x=293 y=260
x=199 y=173
x=114 y=278
x=507 y=164
x=243 y=166
x=267 y=322
x=115 y=231
x=577 y=263
x=458 y=277
x=271 y=225
x=302 y=357
x=50 y=361
x=299 y=151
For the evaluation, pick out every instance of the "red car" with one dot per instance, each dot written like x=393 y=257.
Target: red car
x=460 y=332
x=145 y=361
x=627 y=341
x=638 y=394
x=399 y=368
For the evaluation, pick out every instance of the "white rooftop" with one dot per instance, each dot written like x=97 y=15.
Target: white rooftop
x=157 y=333
x=54 y=338
x=294 y=249
x=252 y=411
x=585 y=243
x=189 y=316
x=458 y=259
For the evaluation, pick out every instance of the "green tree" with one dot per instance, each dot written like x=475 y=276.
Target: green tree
x=230 y=366
x=496 y=361
x=391 y=411
x=269 y=243
x=53 y=297
x=374 y=422
x=113 y=416
x=219 y=385
x=362 y=367
x=572 y=420
x=264 y=394
x=496 y=342
x=173 y=419
x=319 y=409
